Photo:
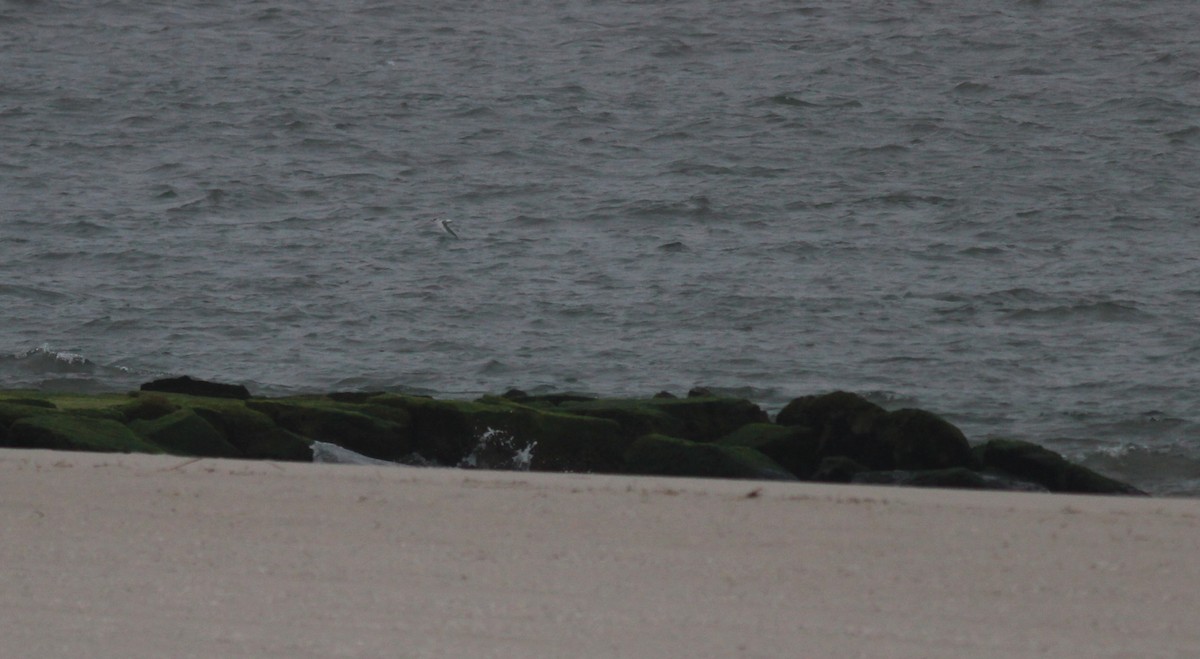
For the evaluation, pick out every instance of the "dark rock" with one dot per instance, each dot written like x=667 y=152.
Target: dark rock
x=32 y=402
x=700 y=392
x=254 y=434
x=1037 y=464
x=851 y=426
x=633 y=416
x=148 y=406
x=185 y=433
x=448 y=432
x=191 y=387
x=847 y=425
x=954 y=477
x=339 y=423
x=353 y=396
x=796 y=448
x=10 y=412
x=837 y=469
x=923 y=440
x=66 y=432
x=670 y=456
x=544 y=400
x=700 y=419
x=664 y=394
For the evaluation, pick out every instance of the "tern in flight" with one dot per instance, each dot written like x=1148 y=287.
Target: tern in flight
x=448 y=227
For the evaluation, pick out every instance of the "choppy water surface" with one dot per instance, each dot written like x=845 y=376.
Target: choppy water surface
x=986 y=209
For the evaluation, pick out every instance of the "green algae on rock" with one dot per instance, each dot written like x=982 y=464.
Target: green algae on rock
x=184 y=432
x=66 y=432
x=833 y=437
x=671 y=456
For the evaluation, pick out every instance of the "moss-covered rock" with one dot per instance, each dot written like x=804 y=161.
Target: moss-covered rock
x=339 y=423
x=921 y=440
x=10 y=412
x=577 y=443
x=847 y=425
x=184 y=432
x=253 y=433
x=796 y=448
x=838 y=469
x=708 y=418
x=68 y=432
x=147 y=407
x=700 y=419
x=851 y=426
x=33 y=402
x=1037 y=464
x=449 y=432
x=671 y=456
x=633 y=416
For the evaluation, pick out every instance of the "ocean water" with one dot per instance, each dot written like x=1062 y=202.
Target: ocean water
x=984 y=209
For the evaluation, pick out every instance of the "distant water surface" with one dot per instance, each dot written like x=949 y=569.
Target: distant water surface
x=986 y=209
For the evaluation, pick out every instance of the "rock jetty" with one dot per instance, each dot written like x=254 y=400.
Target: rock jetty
x=832 y=437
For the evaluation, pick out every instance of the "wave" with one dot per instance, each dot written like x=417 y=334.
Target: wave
x=50 y=369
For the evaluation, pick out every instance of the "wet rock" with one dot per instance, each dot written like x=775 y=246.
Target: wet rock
x=838 y=469
x=697 y=418
x=955 y=477
x=253 y=433
x=66 y=432
x=1037 y=464
x=922 y=440
x=184 y=432
x=11 y=411
x=33 y=402
x=796 y=448
x=148 y=406
x=352 y=396
x=193 y=387
x=850 y=426
x=449 y=431
x=846 y=423
x=671 y=456
x=339 y=423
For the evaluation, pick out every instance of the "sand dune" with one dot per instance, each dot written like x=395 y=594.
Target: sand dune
x=138 y=556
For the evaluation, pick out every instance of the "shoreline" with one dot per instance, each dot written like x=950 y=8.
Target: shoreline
x=138 y=555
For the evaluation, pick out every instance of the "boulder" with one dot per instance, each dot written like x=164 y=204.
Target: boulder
x=33 y=402
x=253 y=433
x=921 y=440
x=11 y=411
x=67 y=432
x=192 y=387
x=448 y=432
x=671 y=456
x=1030 y=462
x=838 y=469
x=697 y=418
x=339 y=423
x=796 y=448
x=851 y=426
x=184 y=432
x=847 y=425
x=147 y=406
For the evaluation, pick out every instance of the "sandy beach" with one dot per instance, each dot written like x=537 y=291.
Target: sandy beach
x=139 y=556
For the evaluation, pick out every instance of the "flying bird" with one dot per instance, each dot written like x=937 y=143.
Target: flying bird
x=447 y=227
